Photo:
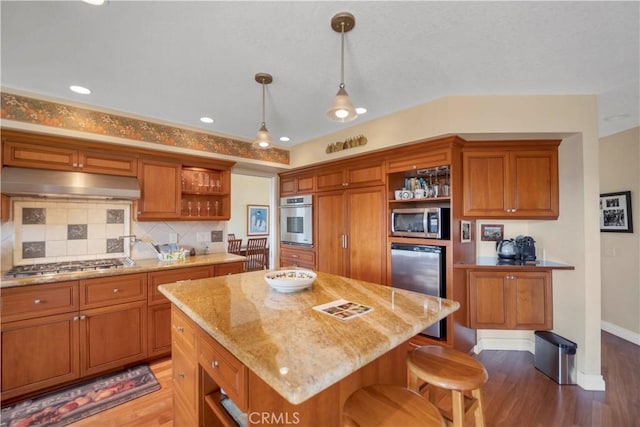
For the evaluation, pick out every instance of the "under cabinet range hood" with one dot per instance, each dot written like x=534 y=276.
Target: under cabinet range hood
x=49 y=183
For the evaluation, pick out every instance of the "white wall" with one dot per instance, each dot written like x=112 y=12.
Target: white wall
x=573 y=239
x=247 y=190
x=619 y=171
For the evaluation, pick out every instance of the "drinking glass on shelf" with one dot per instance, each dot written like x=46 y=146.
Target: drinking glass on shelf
x=206 y=182
x=200 y=181
x=217 y=207
x=217 y=185
x=189 y=206
x=444 y=188
x=198 y=207
x=208 y=208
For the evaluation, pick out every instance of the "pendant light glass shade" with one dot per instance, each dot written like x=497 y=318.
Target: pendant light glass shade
x=342 y=109
x=263 y=138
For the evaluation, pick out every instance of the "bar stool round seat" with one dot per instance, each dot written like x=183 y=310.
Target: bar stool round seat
x=445 y=368
x=389 y=406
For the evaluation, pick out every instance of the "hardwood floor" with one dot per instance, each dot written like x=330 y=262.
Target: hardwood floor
x=517 y=394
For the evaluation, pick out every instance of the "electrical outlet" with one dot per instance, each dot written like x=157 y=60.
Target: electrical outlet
x=173 y=237
x=203 y=236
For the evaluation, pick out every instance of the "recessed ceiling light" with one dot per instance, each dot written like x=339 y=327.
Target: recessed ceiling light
x=95 y=2
x=206 y=119
x=616 y=117
x=80 y=90
x=361 y=110
x=285 y=139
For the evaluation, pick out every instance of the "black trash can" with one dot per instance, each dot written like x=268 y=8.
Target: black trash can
x=556 y=357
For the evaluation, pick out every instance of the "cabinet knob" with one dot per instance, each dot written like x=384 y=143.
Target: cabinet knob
x=214 y=363
x=294 y=256
x=37 y=301
x=116 y=290
x=76 y=318
x=181 y=375
x=80 y=165
x=180 y=328
x=75 y=165
x=83 y=317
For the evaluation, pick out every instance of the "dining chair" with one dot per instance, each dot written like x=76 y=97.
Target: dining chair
x=256 y=254
x=231 y=236
x=234 y=246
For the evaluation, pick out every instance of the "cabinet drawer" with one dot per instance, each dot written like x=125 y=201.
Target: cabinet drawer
x=158 y=278
x=112 y=290
x=302 y=256
x=226 y=269
x=183 y=329
x=185 y=377
x=426 y=160
x=223 y=367
x=38 y=300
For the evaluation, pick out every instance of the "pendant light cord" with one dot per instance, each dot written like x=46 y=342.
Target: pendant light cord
x=342 y=55
x=263 y=122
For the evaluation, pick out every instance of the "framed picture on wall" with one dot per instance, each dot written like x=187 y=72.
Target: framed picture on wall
x=257 y=220
x=465 y=231
x=615 y=212
x=491 y=232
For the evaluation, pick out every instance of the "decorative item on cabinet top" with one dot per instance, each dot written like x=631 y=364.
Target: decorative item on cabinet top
x=347 y=143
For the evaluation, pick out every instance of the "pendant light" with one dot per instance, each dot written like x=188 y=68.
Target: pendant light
x=263 y=138
x=342 y=109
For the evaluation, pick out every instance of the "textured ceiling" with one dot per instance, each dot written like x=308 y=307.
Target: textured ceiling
x=178 y=61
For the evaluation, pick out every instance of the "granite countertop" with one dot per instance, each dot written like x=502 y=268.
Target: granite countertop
x=495 y=262
x=296 y=350
x=140 y=266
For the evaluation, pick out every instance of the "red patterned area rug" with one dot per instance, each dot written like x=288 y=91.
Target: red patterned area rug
x=80 y=401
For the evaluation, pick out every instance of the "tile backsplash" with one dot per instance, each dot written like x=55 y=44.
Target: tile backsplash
x=51 y=230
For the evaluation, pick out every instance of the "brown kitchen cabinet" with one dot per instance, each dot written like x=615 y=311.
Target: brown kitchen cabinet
x=159 y=308
x=350 y=233
x=506 y=299
x=160 y=197
x=184 y=356
x=39 y=321
x=511 y=180
x=297 y=184
x=351 y=175
x=296 y=256
x=42 y=156
x=5 y=210
x=173 y=192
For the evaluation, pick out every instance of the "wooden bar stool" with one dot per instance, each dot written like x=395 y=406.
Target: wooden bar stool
x=434 y=366
x=389 y=406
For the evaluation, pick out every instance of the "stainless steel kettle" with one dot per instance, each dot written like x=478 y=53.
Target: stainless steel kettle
x=507 y=249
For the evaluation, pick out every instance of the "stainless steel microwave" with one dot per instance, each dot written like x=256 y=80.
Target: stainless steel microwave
x=429 y=223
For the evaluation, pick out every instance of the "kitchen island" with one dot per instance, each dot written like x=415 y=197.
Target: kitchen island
x=267 y=354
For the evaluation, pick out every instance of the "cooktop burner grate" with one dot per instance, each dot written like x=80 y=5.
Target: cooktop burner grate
x=67 y=267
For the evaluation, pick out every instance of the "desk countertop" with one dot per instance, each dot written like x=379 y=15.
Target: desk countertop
x=296 y=350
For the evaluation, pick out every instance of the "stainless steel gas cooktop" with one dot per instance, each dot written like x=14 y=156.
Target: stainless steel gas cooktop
x=67 y=267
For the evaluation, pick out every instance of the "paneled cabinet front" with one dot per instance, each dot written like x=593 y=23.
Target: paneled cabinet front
x=351 y=233
x=161 y=193
x=362 y=174
x=43 y=156
x=510 y=300
x=510 y=182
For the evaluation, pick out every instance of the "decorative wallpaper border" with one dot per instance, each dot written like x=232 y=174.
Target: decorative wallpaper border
x=46 y=113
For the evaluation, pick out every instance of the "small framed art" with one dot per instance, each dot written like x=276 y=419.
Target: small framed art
x=465 y=231
x=257 y=220
x=615 y=212
x=491 y=232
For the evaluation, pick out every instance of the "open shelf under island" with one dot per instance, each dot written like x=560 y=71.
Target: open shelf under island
x=270 y=353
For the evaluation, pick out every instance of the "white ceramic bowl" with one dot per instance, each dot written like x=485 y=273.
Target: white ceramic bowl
x=287 y=281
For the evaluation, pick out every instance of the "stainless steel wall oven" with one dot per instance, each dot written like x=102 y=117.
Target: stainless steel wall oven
x=296 y=220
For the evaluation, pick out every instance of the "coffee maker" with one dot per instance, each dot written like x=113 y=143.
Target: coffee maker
x=526 y=248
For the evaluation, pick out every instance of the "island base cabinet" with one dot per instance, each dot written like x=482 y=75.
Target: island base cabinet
x=510 y=300
x=23 y=344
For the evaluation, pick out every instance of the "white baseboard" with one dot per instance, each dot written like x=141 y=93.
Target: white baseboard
x=591 y=382
x=620 y=332
x=516 y=344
